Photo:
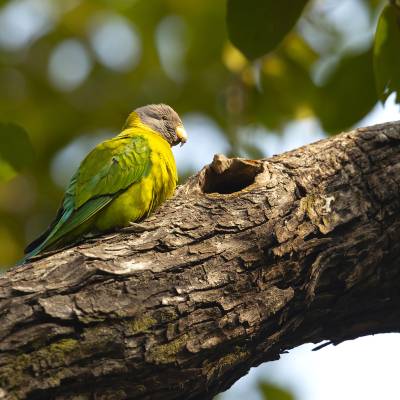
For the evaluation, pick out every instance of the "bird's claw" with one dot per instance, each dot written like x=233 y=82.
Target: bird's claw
x=134 y=227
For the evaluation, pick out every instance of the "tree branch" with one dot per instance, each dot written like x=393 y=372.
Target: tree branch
x=250 y=258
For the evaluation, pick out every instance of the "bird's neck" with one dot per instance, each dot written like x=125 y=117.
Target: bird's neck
x=133 y=121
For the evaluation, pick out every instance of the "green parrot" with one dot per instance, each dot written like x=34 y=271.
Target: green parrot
x=122 y=180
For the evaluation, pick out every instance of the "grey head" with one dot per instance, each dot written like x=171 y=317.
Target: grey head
x=164 y=120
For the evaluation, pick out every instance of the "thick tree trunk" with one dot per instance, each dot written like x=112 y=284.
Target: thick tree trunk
x=250 y=258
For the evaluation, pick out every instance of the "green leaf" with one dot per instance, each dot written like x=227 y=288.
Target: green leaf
x=7 y=172
x=16 y=151
x=348 y=94
x=256 y=27
x=273 y=392
x=387 y=53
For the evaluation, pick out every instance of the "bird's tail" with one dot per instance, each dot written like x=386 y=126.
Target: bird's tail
x=46 y=239
x=30 y=254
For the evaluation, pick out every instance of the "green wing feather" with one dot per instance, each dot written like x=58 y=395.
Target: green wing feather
x=107 y=170
x=119 y=162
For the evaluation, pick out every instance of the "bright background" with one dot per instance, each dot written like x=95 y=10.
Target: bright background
x=72 y=70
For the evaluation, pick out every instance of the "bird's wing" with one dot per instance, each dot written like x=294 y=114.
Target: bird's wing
x=112 y=167
x=107 y=170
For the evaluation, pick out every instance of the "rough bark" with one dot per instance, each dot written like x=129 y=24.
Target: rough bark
x=249 y=259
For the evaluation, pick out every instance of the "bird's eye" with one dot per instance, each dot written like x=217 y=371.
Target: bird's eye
x=164 y=117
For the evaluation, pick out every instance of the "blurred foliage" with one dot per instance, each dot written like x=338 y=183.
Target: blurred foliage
x=71 y=71
x=271 y=391
x=337 y=107
x=387 y=52
x=257 y=27
x=16 y=151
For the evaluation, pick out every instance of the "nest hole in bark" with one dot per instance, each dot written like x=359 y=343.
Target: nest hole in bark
x=229 y=175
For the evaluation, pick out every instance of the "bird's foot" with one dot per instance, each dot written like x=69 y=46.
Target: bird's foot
x=90 y=235
x=134 y=227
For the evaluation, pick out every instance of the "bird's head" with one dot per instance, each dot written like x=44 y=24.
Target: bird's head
x=162 y=119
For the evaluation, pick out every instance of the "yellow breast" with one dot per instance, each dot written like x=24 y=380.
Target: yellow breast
x=144 y=196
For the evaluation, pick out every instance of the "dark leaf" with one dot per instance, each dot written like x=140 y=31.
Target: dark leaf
x=387 y=53
x=348 y=94
x=287 y=91
x=257 y=26
x=15 y=147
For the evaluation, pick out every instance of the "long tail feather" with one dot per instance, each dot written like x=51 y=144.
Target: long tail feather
x=66 y=222
x=31 y=254
x=44 y=240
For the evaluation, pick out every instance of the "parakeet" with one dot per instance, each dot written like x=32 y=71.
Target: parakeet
x=122 y=180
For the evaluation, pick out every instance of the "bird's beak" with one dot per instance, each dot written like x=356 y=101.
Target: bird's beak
x=182 y=135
